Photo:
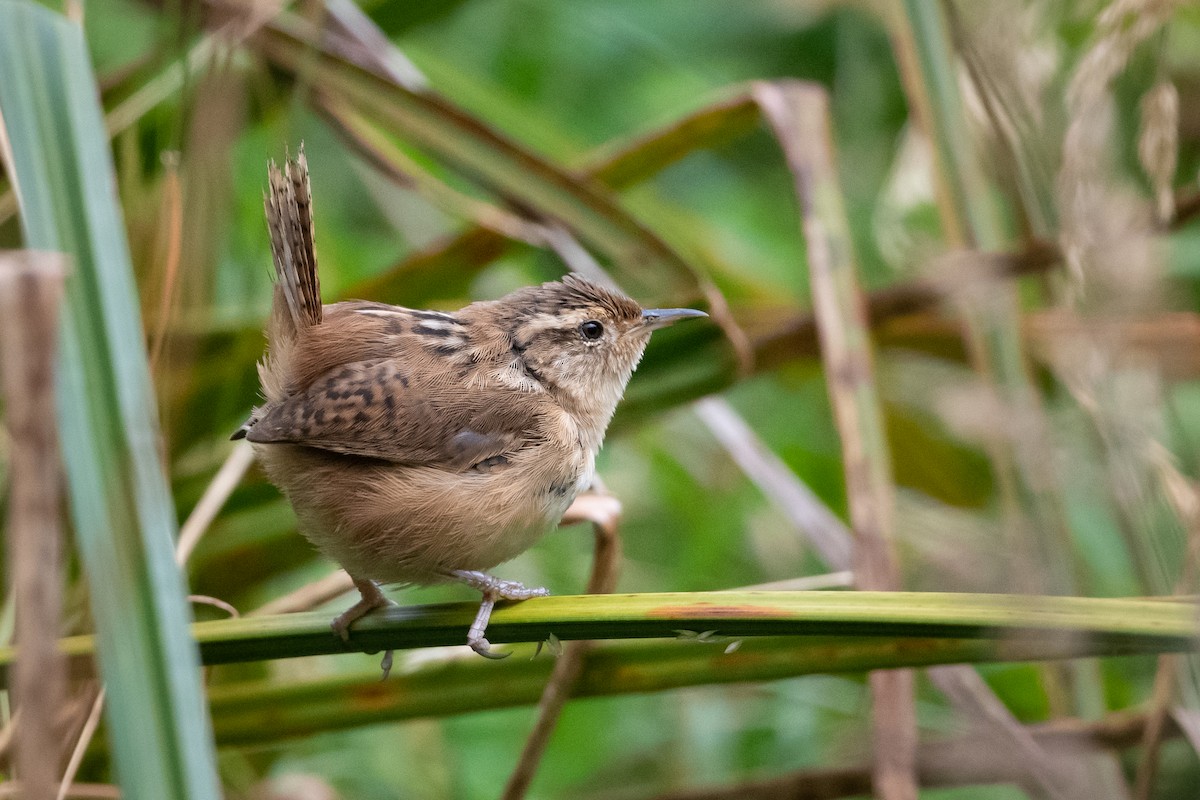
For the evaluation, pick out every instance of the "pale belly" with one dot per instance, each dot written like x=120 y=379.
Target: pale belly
x=399 y=524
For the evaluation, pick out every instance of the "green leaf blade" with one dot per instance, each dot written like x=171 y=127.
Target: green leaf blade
x=121 y=506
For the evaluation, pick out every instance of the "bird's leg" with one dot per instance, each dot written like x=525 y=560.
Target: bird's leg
x=493 y=589
x=371 y=599
x=475 y=638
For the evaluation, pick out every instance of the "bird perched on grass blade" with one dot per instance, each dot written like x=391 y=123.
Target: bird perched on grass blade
x=418 y=447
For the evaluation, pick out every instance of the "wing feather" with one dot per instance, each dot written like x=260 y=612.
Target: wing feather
x=376 y=409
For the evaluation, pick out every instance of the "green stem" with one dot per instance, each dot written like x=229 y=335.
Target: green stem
x=1111 y=626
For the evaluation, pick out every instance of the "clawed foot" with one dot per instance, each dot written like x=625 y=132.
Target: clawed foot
x=475 y=638
x=493 y=589
x=503 y=590
x=370 y=600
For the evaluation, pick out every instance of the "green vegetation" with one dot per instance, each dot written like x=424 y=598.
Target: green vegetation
x=1005 y=428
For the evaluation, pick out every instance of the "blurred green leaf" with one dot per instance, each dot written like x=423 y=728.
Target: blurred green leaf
x=266 y=711
x=123 y=515
x=641 y=261
x=649 y=102
x=448 y=265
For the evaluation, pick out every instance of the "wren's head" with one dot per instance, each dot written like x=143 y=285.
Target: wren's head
x=580 y=341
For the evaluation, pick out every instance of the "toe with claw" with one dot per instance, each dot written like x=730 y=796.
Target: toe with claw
x=493 y=589
x=475 y=635
x=370 y=600
x=502 y=589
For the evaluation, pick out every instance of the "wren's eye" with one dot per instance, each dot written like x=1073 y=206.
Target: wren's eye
x=591 y=329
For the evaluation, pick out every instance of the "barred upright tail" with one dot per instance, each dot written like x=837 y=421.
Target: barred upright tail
x=289 y=218
x=297 y=303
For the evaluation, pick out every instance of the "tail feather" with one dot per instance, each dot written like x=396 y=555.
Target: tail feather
x=289 y=219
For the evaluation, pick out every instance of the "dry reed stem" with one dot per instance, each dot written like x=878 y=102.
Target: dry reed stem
x=820 y=526
x=976 y=702
x=1160 y=698
x=604 y=512
x=799 y=115
x=371 y=46
x=577 y=258
x=309 y=596
x=91 y=723
x=214 y=602
x=31 y=287
x=216 y=494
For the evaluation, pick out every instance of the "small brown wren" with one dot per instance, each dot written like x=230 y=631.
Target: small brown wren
x=418 y=447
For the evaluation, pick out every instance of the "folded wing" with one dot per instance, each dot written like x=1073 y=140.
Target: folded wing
x=374 y=409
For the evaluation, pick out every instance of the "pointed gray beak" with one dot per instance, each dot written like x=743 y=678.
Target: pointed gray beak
x=655 y=318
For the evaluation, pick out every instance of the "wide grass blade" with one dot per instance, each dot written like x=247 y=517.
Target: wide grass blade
x=123 y=515
x=1110 y=626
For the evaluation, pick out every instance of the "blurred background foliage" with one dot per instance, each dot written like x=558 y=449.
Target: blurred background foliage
x=1080 y=481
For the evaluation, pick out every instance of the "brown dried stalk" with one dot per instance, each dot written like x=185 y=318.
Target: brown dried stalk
x=68 y=786
x=799 y=115
x=31 y=286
